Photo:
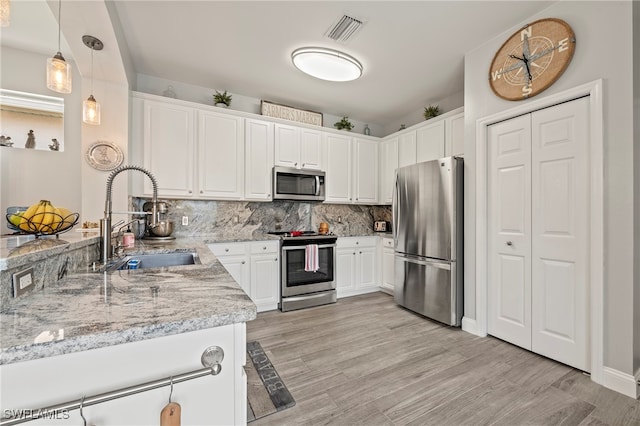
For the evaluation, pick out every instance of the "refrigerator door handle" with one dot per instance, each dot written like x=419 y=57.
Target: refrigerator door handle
x=394 y=213
x=434 y=263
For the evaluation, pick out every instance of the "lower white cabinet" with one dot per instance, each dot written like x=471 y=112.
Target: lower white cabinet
x=356 y=260
x=387 y=283
x=256 y=268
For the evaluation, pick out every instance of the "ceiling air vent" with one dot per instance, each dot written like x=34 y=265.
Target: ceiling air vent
x=344 y=29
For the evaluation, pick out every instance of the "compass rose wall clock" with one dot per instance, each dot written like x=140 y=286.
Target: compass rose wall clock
x=532 y=59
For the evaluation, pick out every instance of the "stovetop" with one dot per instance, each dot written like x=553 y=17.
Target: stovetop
x=302 y=235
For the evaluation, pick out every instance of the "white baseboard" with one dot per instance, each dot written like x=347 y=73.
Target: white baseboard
x=620 y=382
x=637 y=378
x=470 y=325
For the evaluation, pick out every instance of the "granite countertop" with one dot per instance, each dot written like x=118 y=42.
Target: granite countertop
x=89 y=310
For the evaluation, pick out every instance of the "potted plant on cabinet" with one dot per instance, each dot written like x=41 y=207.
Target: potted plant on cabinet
x=431 y=111
x=343 y=124
x=222 y=99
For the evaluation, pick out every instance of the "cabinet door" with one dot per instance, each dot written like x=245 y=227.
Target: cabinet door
x=366 y=171
x=311 y=149
x=407 y=149
x=366 y=264
x=221 y=155
x=345 y=271
x=388 y=270
x=454 y=136
x=169 y=148
x=430 y=142
x=287 y=146
x=265 y=283
x=258 y=160
x=338 y=167
x=388 y=166
x=238 y=268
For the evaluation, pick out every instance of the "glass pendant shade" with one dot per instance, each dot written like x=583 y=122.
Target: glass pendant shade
x=5 y=13
x=58 y=74
x=91 y=111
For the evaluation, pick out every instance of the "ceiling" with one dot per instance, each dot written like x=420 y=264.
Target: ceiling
x=412 y=52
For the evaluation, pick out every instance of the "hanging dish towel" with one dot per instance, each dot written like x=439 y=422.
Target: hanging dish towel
x=311 y=262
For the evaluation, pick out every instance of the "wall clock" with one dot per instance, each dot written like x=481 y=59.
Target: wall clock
x=532 y=59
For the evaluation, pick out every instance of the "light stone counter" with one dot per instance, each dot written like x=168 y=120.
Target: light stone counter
x=88 y=310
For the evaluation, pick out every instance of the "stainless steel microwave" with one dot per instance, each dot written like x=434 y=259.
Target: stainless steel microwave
x=298 y=184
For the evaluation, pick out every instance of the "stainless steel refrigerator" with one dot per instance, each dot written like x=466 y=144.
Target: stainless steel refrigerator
x=428 y=239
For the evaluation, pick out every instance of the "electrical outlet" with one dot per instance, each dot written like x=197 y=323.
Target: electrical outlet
x=185 y=220
x=23 y=282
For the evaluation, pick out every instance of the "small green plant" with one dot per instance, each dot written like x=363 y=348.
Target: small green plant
x=431 y=111
x=343 y=124
x=222 y=98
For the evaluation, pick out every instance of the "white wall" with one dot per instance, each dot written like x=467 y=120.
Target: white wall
x=603 y=50
x=447 y=104
x=204 y=95
x=28 y=176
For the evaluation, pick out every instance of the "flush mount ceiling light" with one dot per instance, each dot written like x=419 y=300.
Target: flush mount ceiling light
x=326 y=64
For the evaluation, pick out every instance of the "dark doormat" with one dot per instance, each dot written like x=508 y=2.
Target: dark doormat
x=266 y=392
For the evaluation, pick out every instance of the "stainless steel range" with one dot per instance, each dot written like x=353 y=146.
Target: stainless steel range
x=303 y=286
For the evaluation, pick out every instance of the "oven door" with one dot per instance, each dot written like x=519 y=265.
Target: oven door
x=297 y=281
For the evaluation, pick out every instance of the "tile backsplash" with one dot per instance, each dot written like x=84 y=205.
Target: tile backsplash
x=244 y=218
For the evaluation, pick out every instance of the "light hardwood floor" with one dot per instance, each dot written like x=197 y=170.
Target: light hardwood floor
x=365 y=360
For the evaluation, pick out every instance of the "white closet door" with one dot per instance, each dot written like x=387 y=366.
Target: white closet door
x=560 y=233
x=509 y=231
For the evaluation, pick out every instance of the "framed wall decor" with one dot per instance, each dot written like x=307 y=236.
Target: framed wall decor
x=285 y=112
x=104 y=155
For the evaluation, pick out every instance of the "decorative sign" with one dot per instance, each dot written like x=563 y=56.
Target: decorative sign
x=289 y=113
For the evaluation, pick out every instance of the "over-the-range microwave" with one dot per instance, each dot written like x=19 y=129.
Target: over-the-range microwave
x=298 y=184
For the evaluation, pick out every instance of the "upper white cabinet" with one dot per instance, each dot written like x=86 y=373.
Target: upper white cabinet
x=365 y=171
x=169 y=148
x=407 y=148
x=258 y=160
x=430 y=142
x=298 y=147
x=388 y=166
x=454 y=135
x=220 y=155
x=338 y=166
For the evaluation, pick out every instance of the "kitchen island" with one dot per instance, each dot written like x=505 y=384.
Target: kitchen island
x=93 y=332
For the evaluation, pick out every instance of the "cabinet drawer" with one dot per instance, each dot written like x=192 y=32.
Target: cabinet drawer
x=227 y=249
x=387 y=242
x=357 y=242
x=265 y=247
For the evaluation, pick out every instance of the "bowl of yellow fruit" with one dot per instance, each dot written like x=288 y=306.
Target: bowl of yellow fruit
x=41 y=218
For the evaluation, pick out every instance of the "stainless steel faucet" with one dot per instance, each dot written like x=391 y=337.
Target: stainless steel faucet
x=106 y=229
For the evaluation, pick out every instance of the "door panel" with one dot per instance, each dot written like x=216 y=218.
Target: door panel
x=509 y=233
x=560 y=233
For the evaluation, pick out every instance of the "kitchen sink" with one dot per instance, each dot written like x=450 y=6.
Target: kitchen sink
x=158 y=260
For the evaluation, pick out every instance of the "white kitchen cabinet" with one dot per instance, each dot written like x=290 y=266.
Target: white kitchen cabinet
x=298 y=147
x=356 y=260
x=388 y=266
x=430 y=141
x=365 y=171
x=256 y=268
x=220 y=155
x=454 y=135
x=388 y=166
x=337 y=159
x=169 y=148
x=407 y=148
x=258 y=162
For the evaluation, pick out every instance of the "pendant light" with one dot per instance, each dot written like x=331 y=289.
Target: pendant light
x=91 y=107
x=58 y=70
x=5 y=13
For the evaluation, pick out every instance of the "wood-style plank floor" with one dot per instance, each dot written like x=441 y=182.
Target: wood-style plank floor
x=365 y=360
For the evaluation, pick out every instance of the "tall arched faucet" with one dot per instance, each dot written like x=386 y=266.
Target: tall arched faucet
x=105 y=230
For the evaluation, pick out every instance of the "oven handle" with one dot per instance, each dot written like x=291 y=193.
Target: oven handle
x=287 y=248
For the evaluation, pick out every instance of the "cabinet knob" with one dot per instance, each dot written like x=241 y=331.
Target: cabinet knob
x=357 y=242
x=264 y=248
x=356 y=199
x=303 y=164
x=354 y=253
x=276 y=259
x=509 y=243
x=190 y=192
x=201 y=191
x=243 y=262
x=360 y=252
x=295 y=164
x=226 y=249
